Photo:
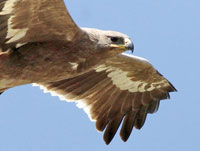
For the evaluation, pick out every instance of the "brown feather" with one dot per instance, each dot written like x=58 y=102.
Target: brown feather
x=128 y=124
x=136 y=102
x=141 y=117
x=158 y=94
x=127 y=103
x=102 y=104
x=117 y=103
x=108 y=101
x=146 y=98
x=67 y=82
x=102 y=121
x=153 y=107
x=48 y=18
x=88 y=95
x=93 y=94
x=112 y=128
x=88 y=83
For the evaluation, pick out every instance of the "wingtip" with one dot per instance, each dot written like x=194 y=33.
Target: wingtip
x=139 y=125
x=174 y=89
x=107 y=139
x=124 y=137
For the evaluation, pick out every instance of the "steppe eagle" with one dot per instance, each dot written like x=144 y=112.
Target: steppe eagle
x=40 y=43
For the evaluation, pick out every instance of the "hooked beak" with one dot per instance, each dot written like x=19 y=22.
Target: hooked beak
x=129 y=44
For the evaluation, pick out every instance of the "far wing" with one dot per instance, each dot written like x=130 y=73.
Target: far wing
x=23 y=21
x=123 y=88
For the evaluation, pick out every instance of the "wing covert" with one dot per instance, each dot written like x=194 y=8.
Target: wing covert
x=23 y=21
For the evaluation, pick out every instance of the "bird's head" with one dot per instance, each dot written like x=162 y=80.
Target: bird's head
x=110 y=42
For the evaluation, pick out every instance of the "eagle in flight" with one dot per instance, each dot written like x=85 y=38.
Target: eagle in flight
x=41 y=44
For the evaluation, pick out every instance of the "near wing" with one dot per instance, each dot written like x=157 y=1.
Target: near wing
x=23 y=21
x=123 y=88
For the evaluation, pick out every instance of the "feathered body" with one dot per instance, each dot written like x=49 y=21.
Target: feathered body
x=40 y=43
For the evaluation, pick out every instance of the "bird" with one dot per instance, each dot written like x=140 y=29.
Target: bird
x=40 y=44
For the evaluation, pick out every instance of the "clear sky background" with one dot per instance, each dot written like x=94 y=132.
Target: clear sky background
x=167 y=33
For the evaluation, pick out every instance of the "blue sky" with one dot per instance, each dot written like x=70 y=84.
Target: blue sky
x=167 y=33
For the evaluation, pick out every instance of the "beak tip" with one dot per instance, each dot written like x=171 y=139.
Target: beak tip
x=130 y=45
x=132 y=48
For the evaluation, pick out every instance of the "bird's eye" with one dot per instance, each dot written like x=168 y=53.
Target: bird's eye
x=114 y=39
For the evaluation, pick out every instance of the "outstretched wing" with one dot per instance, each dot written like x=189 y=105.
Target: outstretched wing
x=23 y=21
x=123 y=88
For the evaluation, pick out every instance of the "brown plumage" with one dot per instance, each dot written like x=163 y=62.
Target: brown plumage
x=106 y=103
x=40 y=43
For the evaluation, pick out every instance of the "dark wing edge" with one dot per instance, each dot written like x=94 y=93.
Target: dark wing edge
x=124 y=88
x=34 y=21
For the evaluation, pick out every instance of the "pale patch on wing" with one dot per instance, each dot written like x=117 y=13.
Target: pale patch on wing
x=122 y=81
x=18 y=45
x=74 y=65
x=14 y=34
x=8 y=7
x=101 y=68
